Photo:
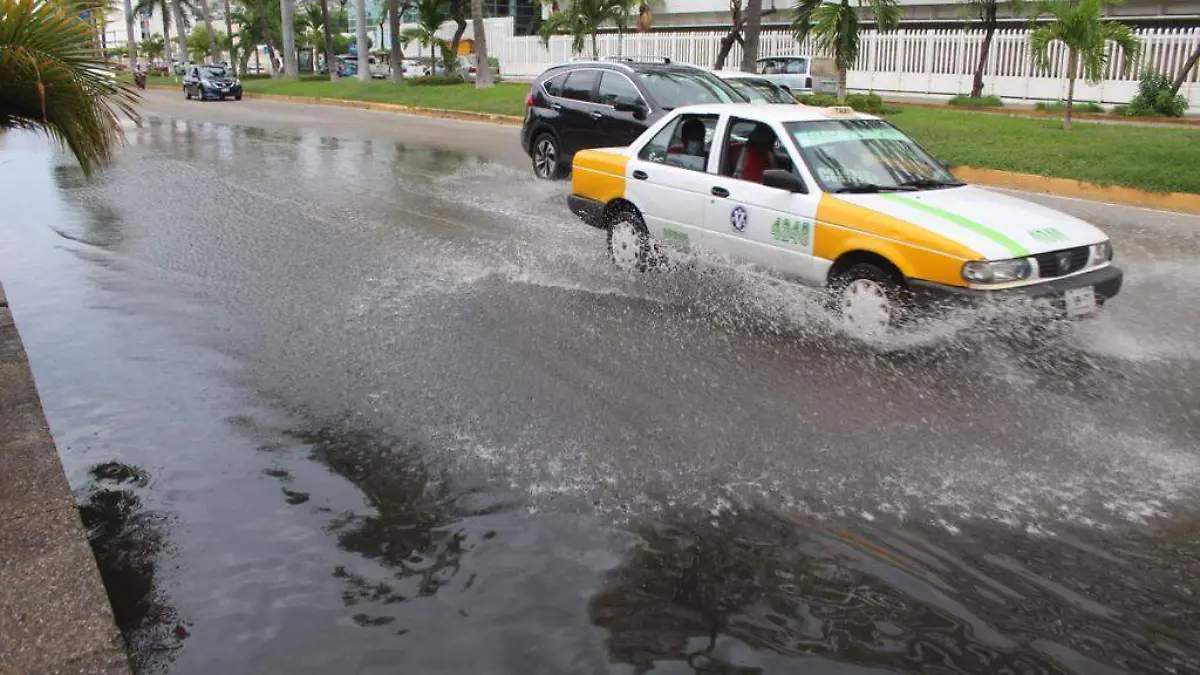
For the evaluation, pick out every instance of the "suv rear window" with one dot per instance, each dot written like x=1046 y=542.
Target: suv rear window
x=554 y=85
x=579 y=85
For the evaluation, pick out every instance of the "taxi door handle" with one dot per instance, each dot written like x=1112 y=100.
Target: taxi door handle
x=640 y=175
x=595 y=114
x=720 y=192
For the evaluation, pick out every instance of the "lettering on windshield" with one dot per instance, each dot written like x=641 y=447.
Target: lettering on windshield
x=811 y=138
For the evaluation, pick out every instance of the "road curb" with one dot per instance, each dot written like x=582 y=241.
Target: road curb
x=1181 y=202
x=1178 y=122
x=55 y=616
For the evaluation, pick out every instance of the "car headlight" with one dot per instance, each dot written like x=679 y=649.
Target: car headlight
x=997 y=271
x=1102 y=253
x=206 y=83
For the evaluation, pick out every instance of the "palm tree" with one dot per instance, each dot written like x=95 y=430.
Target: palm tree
x=52 y=80
x=987 y=12
x=753 y=29
x=233 y=55
x=397 y=54
x=152 y=46
x=833 y=25
x=206 y=17
x=164 y=13
x=458 y=9
x=180 y=27
x=483 y=67
x=328 y=42
x=1080 y=25
x=288 y=23
x=130 y=44
x=582 y=18
x=431 y=14
x=362 y=48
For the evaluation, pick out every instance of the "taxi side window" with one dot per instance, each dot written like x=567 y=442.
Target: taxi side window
x=750 y=149
x=684 y=143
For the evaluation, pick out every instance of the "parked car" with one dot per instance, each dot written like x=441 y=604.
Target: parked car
x=835 y=198
x=755 y=88
x=209 y=82
x=348 y=66
x=800 y=74
x=594 y=104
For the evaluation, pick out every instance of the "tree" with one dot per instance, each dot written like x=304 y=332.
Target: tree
x=330 y=55
x=1183 y=72
x=397 y=54
x=1080 y=25
x=753 y=28
x=180 y=27
x=52 y=80
x=206 y=16
x=583 y=18
x=200 y=41
x=834 y=28
x=736 y=24
x=431 y=14
x=130 y=44
x=987 y=13
x=233 y=54
x=152 y=46
x=362 y=47
x=162 y=7
x=458 y=10
x=287 y=22
x=483 y=67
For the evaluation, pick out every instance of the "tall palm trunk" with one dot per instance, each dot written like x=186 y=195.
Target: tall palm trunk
x=206 y=14
x=330 y=62
x=753 y=28
x=131 y=45
x=1072 y=73
x=167 y=55
x=460 y=26
x=287 y=12
x=266 y=31
x=181 y=34
x=984 y=50
x=363 y=48
x=396 y=56
x=1183 y=72
x=841 y=85
x=233 y=52
x=483 y=68
x=595 y=48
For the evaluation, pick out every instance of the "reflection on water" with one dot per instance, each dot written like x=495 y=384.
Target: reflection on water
x=129 y=543
x=717 y=591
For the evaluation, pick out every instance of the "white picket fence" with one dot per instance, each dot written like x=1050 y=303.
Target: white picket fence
x=936 y=62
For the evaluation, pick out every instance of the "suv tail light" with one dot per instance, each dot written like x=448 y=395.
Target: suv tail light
x=529 y=98
x=808 y=83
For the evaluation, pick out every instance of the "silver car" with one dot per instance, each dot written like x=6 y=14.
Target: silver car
x=800 y=74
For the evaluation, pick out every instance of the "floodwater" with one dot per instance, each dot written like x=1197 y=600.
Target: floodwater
x=345 y=405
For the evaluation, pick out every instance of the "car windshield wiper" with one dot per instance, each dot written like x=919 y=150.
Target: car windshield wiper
x=931 y=183
x=875 y=187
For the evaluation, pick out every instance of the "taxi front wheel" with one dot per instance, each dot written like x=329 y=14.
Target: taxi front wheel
x=869 y=300
x=629 y=243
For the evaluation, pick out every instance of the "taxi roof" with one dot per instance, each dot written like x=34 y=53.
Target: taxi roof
x=775 y=112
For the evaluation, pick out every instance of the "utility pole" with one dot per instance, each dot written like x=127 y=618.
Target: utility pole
x=361 y=47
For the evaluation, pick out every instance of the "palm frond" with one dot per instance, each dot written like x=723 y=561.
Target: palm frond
x=52 y=80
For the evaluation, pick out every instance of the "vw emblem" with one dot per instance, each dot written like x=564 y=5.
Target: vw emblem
x=1064 y=261
x=739 y=218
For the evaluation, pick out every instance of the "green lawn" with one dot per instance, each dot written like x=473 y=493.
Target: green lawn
x=1151 y=158
x=502 y=99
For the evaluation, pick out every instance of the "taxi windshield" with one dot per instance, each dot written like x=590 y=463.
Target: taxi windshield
x=866 y=156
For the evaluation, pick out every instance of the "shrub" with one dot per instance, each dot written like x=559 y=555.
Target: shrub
x=868 y=103
x=256 y=76
x=977 y=102
x=434 y=80
x=1154 y=97
x=1080 y=106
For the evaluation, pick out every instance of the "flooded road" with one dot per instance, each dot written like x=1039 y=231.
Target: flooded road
x=342 y=392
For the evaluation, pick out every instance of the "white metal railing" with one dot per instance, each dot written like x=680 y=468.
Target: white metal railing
x=938 y=62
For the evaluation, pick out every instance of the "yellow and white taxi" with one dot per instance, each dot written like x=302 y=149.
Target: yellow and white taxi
x=836 y=198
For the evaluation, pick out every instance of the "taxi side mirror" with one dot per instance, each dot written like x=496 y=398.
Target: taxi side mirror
x=784 y=180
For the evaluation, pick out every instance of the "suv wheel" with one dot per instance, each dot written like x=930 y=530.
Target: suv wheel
x=547 y=158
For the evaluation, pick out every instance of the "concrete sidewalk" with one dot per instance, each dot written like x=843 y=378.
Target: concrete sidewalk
x=55 y=618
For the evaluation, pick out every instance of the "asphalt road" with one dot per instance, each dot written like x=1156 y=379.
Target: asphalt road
x=369 y=399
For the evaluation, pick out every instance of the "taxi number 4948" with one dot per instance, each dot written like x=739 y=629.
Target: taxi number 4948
x=788 y=231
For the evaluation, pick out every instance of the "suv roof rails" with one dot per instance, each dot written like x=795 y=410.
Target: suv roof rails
x=639 y=59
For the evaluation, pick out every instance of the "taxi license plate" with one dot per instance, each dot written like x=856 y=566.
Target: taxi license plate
x=1080 y=301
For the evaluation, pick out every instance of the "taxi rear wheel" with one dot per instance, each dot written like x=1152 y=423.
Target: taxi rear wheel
x=870 y=300
x=629 y=244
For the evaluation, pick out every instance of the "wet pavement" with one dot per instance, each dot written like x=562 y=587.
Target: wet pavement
x=346 y=392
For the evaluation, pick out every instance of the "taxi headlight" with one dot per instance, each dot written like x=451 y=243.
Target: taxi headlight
x=1102 y=253
x=997 y=271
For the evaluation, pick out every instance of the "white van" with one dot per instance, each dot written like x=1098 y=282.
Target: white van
x=800 y=74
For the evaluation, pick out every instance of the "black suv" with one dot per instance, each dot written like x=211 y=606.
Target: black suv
x=599 y=104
